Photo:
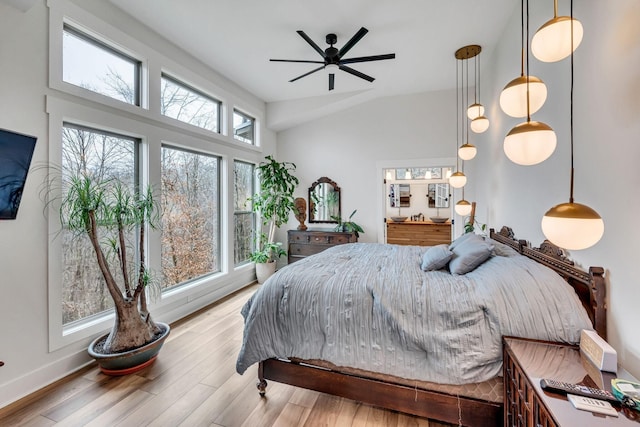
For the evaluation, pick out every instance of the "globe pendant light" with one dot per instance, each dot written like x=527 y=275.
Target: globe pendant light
x=463 y=208
x=467 y=151
x=526 y=94
x=475 y=112
x=572 y=226
x=552 y=42
x=458 y=180
x=531 y=142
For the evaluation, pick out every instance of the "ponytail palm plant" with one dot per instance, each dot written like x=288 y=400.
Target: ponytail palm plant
x=110 y=214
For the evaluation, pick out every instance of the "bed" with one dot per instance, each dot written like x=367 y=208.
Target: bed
x=365 y=322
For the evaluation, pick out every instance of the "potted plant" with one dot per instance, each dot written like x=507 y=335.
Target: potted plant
x=273 y=202
x=110 y=214
x=348 y=226
x=265 y=257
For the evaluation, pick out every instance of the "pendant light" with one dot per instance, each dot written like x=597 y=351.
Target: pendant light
x=463 y=208
x=475 y=111
x=526 y=94
x=553 y=40
x=572 y=226
x=458 y=179
x=466 y=151
x=530 y=142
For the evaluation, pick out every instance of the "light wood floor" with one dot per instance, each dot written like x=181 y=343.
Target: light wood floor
x=194 y=383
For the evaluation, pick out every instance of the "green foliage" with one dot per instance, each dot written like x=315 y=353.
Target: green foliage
x=348 y=226
x=274 y=200
x=470 y=228
x=269 y=251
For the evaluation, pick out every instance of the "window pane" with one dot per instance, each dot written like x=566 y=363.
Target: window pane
x=243 y=127
x=244 y=221
x=103 y=157
x=94 y=66
x=190 y=216
x=188 y=105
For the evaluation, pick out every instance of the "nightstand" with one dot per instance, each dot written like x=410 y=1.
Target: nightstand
x=527 y=405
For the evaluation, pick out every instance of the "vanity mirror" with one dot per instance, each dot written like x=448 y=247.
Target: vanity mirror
x=438 y=195
x=399 y=195
x=324 y=201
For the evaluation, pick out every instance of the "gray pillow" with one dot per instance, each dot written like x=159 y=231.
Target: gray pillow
x=436 y=257
x=461 y=239
x=469 y=254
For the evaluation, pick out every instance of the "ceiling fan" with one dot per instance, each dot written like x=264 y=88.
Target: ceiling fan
x=333 y=58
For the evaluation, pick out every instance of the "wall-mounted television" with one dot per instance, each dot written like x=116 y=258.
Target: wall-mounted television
x=16 y=151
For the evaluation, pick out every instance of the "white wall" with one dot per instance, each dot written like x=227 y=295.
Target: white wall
x=352 y=147
x=30 y=361
x=346 y=147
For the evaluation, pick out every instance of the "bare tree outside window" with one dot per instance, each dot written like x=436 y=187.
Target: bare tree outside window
x=188 y=105
x=243 y=215
x=190 y=216
x=104 y=157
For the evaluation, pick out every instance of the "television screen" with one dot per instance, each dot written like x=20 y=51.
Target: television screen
x=16 y=151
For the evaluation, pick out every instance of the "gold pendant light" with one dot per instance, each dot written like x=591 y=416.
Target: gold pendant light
x=475 y=111
x=525 y=94
x=572 y=225
x=530 y=142
x=553 y=40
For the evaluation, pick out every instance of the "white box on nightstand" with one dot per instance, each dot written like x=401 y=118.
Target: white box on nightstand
x=598 y=351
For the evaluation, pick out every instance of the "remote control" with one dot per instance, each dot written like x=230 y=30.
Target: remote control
x=592 y=405
x=577 y=389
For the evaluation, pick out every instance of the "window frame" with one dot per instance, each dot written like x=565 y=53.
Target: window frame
x=253 y=121
x=254 y=223
x=186 y=86
x=100 y=44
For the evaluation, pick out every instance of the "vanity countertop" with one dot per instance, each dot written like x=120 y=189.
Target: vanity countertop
x=407 y=222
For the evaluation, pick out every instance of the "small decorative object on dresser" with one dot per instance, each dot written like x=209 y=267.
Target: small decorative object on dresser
x=310 y=242
x=301 y=206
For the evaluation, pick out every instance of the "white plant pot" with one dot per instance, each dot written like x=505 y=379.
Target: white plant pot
x=265 y=270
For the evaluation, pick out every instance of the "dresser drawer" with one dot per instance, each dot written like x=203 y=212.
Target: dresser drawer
x=310 y=242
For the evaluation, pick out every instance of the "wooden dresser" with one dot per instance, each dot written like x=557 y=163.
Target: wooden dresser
x=420 y=233
x=310 y=242
x=526 y=404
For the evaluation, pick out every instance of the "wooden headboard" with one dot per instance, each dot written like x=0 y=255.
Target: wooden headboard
x=590 y=286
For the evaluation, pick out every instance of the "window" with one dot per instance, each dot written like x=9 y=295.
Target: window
x=190 y=215
x=95 y=66
x=243 y=127
x=103 y=156
x=188 y=105
x=243 y=216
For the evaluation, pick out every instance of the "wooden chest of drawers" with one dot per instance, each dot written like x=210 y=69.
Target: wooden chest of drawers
x=310 y=242
x=420 y=233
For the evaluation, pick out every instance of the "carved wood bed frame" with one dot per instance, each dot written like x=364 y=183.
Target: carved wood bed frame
x=589 y=286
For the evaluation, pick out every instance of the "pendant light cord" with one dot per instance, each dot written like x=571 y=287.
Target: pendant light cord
x=571 y=104
x=457 y=111
x=527 y=56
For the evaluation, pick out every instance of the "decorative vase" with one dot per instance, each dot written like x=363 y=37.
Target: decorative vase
x=130 y=361
x=264 y=270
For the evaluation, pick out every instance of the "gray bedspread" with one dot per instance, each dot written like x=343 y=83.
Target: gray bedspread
x=370 y=306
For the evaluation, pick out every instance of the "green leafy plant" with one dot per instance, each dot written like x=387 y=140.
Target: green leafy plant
x=273 y=202
x=348 y=226
x=470 y=227
x=267 y=252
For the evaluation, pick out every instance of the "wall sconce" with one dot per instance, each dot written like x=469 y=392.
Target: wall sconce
x=572 y=226
x=553 y=40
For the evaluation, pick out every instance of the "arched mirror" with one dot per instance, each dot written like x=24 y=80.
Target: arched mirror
x=324 y=201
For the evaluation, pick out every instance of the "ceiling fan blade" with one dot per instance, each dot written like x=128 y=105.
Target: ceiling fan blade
x=368 y=58
x=306 y=74
x=332 y=79
x=297 y=60
x=356 y=73
x=312 y=43
x=355 y=39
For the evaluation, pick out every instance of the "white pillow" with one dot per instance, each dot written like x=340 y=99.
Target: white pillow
x=436 y=257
